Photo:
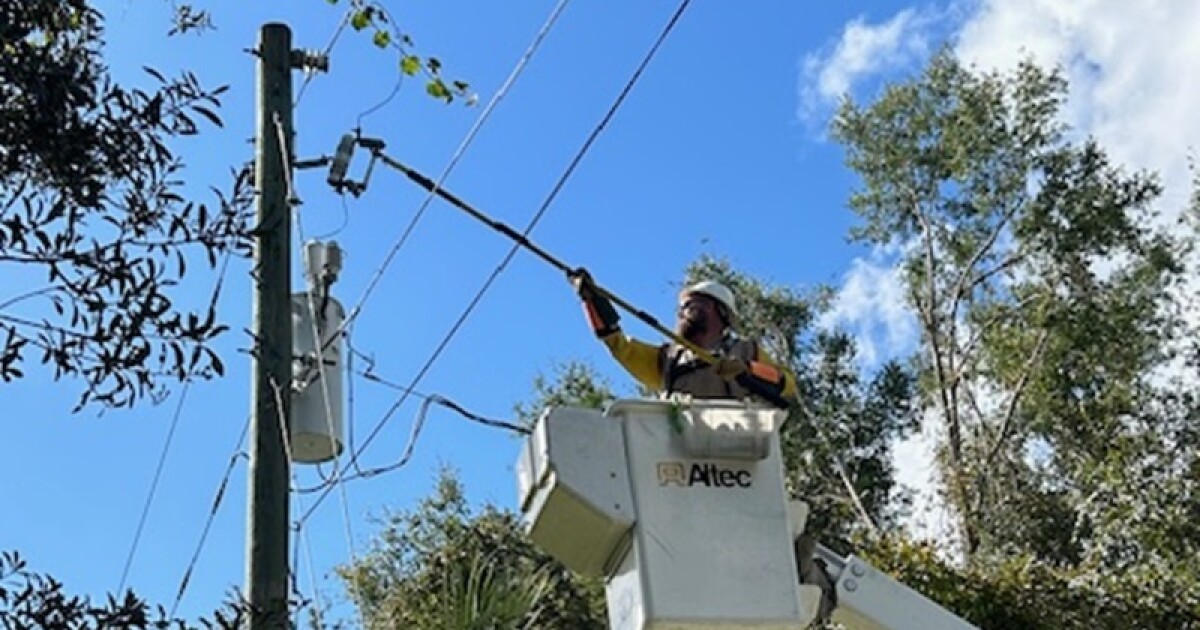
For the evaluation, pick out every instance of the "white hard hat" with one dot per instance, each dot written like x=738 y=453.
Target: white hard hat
x=716 y=291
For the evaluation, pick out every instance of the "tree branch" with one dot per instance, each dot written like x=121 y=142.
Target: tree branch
x=974 y=403
x=1015 y=398
x=1003 y=265
x=960 y=284
x=855 y=500
x=946 y=388
x=982 y=329
x=20 y=321
x=30 y=294
x=77 y=256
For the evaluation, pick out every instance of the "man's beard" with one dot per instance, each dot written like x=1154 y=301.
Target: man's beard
x=692 y=329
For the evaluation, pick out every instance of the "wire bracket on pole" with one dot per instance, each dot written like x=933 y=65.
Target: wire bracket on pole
x=340 y=163
x=310 y=61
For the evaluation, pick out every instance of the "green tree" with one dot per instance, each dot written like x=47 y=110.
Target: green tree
x=1027 y=593
x=1044 y=294
x=837 y=445
x=94 y=222
x=92 y=214
x=573 y=383
x=421 y=569
x=443 y=565
x=31 y=600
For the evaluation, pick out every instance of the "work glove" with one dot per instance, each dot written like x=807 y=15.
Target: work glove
x=762 y=379
x=730 y=369
x=599 y=310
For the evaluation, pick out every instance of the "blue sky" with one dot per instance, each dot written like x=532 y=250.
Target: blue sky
x=719 y=149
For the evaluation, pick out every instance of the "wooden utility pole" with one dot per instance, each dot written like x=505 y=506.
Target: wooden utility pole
x=267 y=531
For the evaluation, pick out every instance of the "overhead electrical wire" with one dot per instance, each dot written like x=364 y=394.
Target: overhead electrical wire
x=337 y=33
x=541 y=211
x=375 y=278
x=516 y=72
x=341 y=226
x=409 y=390
x=166 y=448
x=298 y=527
x=318 y=346
x=428 y=400
x=158 y=470
x=238 y=453
x=397 y=36
x=318 y=602
x=351 y=352
x=449 y=404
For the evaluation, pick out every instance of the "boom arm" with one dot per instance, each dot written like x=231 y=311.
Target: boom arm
x=869 y=599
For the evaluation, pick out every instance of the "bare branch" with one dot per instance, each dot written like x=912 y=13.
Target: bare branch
x=943 y=367
x=1015 y=398
x=855 y=500
x=960 y=284
x=30 y=294
x=969 y=394
x=1002 y=266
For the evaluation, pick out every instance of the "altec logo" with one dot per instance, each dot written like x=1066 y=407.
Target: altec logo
x=698 y=474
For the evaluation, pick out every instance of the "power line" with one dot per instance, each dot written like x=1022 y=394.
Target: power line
x=337 y=33
x=449 y=404
x=409 y=390
x=318 y=604
x=458 y=153
x=162 y=460
x=428 y=400
x=212 y=515
x=318 y=344
x=396 y=38
x=166 y=449
x=351 y=405
x=537 y=217
x=319 y=347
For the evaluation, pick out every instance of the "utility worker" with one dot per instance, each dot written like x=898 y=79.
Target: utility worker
x=706 y=314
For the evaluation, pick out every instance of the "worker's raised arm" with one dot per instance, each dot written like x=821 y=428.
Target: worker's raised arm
x=639 y=358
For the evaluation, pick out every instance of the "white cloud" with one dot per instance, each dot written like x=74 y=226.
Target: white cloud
x=1131 y=68
x=864 y=50
x=872 y=305
x=914 y=458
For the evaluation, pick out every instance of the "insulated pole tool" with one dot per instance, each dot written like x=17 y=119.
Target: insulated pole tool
x=523 y=241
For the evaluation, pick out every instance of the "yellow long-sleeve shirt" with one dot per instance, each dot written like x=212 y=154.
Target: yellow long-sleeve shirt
x=645 y=363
